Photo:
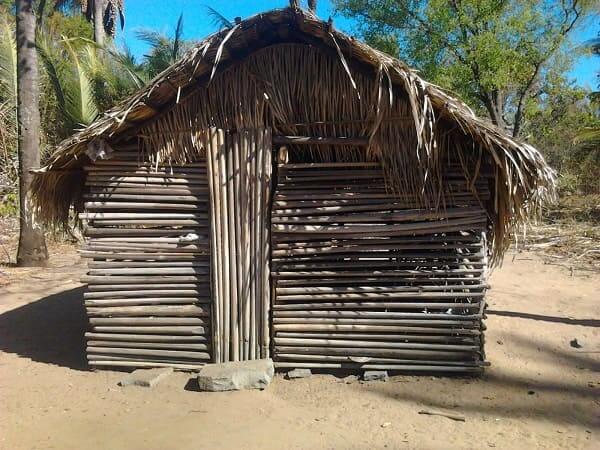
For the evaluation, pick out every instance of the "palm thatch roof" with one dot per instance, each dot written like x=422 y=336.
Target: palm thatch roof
x=157 y=112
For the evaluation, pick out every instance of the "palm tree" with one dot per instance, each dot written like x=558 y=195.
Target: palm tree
x=86 y=79
x=32 y=246
x=164 y=50
x=102 y=13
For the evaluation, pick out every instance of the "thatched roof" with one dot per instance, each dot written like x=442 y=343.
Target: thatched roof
x=523 y=179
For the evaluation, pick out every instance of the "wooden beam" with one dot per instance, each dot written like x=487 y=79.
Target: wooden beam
x=313 y=140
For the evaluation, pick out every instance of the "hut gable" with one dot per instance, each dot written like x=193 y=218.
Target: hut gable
x=291 y=72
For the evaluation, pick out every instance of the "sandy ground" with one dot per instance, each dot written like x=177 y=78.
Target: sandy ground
x=539 y=392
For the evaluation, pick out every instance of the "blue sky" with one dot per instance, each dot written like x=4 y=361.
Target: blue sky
x=162 y=15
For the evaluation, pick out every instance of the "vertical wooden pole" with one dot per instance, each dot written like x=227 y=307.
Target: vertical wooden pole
x=231 y=146
x=211 y=143
x=266 y=260
x=246 y=239
x=226 y=275
x=239 y=243
x=252 y=147
x=240 y=177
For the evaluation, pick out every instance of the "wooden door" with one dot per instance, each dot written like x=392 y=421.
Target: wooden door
x=239 y=167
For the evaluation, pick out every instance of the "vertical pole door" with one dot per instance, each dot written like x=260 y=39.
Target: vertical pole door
x=240 y=168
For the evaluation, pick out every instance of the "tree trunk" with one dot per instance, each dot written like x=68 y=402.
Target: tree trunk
x=32 y=246
x=99 y=33
x=495 y=108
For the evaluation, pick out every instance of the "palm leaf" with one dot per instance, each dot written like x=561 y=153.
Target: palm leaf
x=8 y=63
x=55 y=68
x=80 y=102
x=218 y=19
x=125 y=60
x=177 y=40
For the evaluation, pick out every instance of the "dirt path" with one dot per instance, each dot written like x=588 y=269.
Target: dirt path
x=539 y=393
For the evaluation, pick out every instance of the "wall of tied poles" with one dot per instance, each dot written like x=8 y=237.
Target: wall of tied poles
x=169 y=283
x=362 y=278
x=149 y=298
x=366 y=280
x=240 y=186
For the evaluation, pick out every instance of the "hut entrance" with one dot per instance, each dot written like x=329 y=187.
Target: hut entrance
x=239 y=168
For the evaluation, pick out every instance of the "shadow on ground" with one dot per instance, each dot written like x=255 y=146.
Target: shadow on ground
x=503 y=393
x=50 y=330
x=545 y=318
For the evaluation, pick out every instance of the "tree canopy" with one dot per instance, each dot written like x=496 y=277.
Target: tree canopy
x=491 y=52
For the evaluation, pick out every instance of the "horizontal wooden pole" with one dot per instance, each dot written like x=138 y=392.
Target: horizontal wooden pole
x=313 y=140
x=157 y=338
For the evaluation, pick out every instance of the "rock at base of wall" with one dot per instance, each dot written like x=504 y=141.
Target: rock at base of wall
x=298 y=373
x=375 y=375
x=146 y=377
x=234 y=376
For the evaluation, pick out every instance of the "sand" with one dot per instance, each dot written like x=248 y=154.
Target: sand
x=540 y=392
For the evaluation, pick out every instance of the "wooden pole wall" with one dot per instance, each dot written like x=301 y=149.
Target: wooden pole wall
x=146 y=229
x=240 y=187
x=365 y=279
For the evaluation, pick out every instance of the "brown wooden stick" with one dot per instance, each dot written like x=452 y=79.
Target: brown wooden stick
x=455 y=417
x=311 y=140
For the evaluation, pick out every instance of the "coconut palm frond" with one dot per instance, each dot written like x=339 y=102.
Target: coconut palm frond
x=164 y=50
x=8 y=63
x=55 y=67
x=80 y=101
x=177 y=40
x=125 y=60
x=218 y=19
x=70 y=81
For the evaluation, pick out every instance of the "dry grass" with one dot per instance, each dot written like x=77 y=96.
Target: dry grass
x=569 y=236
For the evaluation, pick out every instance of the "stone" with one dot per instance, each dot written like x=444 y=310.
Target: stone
x=237 y=375
x=146 y=377
x=298 y=373
x=375 y=375
x=348 y=380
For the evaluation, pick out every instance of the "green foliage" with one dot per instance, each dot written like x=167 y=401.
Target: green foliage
x=492 y=53
x=8 y=62
x=554 y=122
x=164 y=50
x=8 y=106
x=9 y=204
x=68 y=64
x=70 y=26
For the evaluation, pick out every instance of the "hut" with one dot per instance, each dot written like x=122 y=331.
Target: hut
x=287 y=191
